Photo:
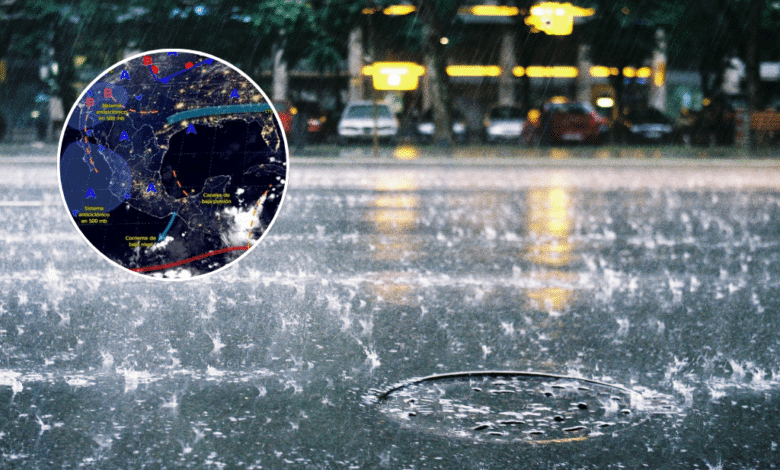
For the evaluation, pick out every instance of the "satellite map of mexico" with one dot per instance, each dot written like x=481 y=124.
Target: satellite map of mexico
x=173 y=164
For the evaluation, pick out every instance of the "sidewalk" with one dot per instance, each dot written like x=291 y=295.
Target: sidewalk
x=611 y=155
x=491 y=155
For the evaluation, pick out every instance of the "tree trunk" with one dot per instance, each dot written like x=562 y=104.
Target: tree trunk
x=751 y=59
x=436 y=65
x=63 y=45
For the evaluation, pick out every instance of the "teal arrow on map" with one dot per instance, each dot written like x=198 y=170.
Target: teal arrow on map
x=161 y=237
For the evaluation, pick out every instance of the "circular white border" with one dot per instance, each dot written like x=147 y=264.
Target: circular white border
x=286 y=165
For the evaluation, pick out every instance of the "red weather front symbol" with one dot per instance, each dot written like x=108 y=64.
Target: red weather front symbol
x=90 y=102
x=147 y=60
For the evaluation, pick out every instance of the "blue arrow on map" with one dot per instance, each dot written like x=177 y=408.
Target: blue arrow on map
x=161 y=237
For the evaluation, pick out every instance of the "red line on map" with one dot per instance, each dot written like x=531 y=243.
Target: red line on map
x=190 y=260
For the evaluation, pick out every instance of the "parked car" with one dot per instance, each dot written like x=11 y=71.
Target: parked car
x=316 y=122
x=286 y=112
x=644 y=126
x=425 y=126
x=504 y=123
x=563 y=121
x=361 y=118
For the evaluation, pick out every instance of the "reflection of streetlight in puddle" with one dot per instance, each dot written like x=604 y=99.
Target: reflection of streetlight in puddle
x=556 y=294
x=394 y=216
x=393 y=287
x=550 y=225
x=559 y=154
x=406 y=152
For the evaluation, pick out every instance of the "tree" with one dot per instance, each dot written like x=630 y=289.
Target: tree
x=621 y=35
x=437 y=18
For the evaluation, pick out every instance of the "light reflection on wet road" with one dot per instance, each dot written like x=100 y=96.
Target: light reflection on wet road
x=659 y=277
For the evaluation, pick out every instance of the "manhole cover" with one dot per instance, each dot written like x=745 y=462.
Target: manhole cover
x=510 y=406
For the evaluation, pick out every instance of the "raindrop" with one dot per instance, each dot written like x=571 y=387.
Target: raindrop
x=511 y=422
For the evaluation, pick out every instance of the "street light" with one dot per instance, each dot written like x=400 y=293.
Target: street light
x=555 y=18
x=399 y=76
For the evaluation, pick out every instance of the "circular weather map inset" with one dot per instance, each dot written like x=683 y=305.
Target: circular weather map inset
x=173 y=164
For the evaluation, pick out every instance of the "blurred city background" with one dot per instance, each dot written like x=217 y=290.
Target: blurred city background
x=444 y=72
x=477 y=241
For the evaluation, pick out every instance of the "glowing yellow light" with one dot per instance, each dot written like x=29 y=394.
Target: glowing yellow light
x=394 y=75
x=397 y=201
x=644 y=72
x=293 y=110
x=660 y=75
x=444 y=41
x=518 y=71
x=399 y=10
x=79 y=60
x=706 y=101
x=629 y=72
x=599 y=71
x=473 y=70
x=559 y=100
x=549 y=219
x=533 y=116
x=494 y=10
x=556 y=71
x=405 y=152
x=555 y=18
x=605 y=102
x=614 y=71
x=369 y=11
x=404 y=181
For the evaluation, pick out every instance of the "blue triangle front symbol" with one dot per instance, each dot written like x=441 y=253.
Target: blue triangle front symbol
x=125 y=75
x=123 y=136
x=191 y=129
x=234 y=93
x=151 y=188
x=90 y=193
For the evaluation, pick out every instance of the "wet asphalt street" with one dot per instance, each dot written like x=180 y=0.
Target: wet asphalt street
x=649 y=279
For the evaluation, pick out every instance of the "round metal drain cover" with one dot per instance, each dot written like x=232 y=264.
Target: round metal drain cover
x=511 y=406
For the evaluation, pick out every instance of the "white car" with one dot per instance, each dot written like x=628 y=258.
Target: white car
x=504 y=123
x=357 y=121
